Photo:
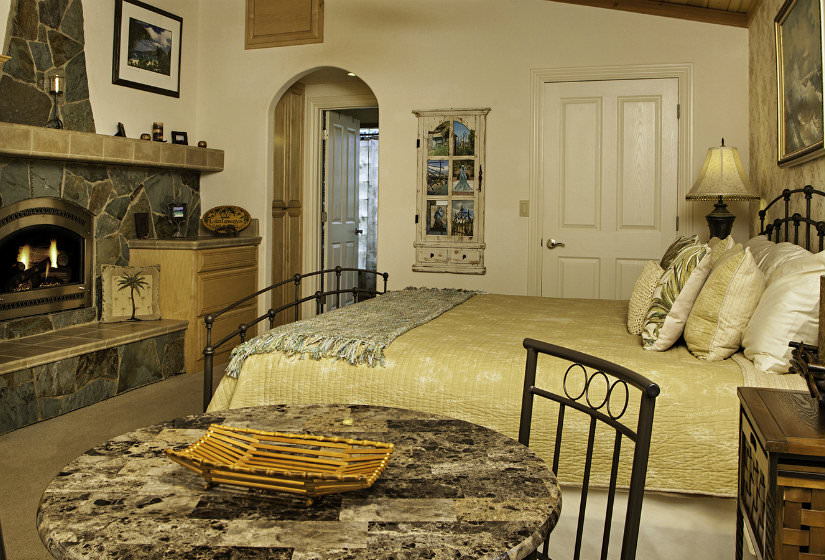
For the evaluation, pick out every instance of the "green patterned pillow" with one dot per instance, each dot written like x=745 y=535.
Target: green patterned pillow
x=674 y=296
x=676 y=247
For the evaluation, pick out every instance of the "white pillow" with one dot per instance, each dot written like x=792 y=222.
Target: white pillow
x=787 y=311
x=778 y=254
x=759 y=247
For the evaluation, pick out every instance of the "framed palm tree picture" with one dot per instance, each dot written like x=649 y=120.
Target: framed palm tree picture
x=130 y=293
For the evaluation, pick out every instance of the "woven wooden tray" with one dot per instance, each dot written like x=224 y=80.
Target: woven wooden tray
x=297 y=463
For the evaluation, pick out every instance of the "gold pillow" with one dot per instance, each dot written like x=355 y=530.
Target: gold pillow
x=728 y=299
x=642 y=295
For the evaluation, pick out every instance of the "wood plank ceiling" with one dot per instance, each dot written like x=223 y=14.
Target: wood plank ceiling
x=722 y=12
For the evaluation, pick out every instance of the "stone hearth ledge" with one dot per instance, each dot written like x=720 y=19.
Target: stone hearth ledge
x=39 y=349
x=19 y=140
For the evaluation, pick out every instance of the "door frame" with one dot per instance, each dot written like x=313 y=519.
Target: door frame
x=313 y=156
x=538 y=77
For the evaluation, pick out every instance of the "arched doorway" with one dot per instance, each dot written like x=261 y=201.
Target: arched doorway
x=300 y=221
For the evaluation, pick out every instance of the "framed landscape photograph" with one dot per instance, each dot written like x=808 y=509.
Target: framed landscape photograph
x=801 y=110
x=147 y=48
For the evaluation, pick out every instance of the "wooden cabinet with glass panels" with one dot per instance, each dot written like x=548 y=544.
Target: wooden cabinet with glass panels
x=450 y=212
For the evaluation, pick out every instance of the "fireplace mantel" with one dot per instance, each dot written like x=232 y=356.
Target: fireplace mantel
x=18 y=140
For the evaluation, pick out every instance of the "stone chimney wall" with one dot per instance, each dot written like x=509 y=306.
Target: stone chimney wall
x=45 y=37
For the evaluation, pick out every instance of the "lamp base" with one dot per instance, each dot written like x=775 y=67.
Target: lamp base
x=720 y=221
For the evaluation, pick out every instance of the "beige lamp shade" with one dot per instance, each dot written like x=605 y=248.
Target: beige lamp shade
x=722 y=176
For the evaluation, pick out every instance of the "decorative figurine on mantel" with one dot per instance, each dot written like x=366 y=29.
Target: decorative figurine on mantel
x=121 y=130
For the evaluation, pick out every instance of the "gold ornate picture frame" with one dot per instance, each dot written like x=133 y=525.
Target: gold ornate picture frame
x=800 y=107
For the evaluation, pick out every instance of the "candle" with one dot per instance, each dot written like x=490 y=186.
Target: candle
x=57 y=83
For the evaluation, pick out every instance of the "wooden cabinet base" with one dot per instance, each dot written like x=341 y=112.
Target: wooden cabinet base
x=197 y=281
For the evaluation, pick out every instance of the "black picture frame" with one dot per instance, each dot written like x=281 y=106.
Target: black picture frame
x=179 y=137
x=147 y=48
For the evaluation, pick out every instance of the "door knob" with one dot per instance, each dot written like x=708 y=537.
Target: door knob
x=552 y=243
x=359 y=231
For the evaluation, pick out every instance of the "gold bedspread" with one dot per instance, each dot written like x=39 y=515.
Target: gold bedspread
x=469 y=364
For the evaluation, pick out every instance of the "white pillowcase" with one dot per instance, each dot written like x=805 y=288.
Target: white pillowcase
x=787 y=311
x=778 y=254
x=759 y=247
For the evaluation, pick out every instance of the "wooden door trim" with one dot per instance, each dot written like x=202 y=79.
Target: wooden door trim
x=538 y=77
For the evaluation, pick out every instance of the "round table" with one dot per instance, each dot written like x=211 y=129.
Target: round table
x=452 y=489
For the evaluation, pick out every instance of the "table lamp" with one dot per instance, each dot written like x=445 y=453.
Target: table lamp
x=722 y=177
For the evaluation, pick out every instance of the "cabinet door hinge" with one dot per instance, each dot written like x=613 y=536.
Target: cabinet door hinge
x=677 y=223
x=678 y=110
x=324 y=216
x=480 y=177
x=416 y=218
x=418 y=143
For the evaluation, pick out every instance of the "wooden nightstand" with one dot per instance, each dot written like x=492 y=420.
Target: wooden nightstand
x=781 y=498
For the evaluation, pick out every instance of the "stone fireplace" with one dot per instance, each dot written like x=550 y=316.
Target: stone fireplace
x=68 y=201
x=45 y=257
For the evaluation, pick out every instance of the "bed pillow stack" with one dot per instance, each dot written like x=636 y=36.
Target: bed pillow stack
x=725 y=304
x=787 y=311
x=674 y=295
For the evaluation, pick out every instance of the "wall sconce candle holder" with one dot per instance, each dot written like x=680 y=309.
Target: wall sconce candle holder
x=56 y=85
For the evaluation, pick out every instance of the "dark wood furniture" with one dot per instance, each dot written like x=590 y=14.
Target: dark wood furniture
x=452 y=489
x=601 y=392
x=781 y=498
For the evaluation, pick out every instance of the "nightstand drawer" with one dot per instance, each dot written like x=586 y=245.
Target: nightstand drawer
x=231 y=257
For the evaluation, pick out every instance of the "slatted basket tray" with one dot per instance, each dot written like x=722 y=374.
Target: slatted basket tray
x=302 y=464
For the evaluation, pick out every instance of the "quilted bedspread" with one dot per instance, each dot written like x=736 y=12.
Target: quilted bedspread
x=469 y=364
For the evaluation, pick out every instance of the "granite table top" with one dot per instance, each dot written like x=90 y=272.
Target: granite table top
x=452 y=489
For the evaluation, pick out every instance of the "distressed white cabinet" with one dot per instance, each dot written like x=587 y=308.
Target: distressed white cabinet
x=450 y=212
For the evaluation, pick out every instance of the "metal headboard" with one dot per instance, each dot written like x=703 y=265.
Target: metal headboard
x=774 y=229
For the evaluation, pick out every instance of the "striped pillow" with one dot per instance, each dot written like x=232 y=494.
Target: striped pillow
x=674 y=296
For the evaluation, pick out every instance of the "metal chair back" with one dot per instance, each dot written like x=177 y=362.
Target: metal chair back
x=618 y=387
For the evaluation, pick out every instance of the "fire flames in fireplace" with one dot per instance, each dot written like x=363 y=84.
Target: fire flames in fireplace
x=40 y=267
x=40 y=257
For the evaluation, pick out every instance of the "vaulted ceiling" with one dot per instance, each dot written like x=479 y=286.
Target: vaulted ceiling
x=723 y=12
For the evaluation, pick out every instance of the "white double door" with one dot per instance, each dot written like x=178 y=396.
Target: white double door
x=609 y=183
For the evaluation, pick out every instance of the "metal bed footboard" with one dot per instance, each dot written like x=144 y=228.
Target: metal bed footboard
x=320 y=298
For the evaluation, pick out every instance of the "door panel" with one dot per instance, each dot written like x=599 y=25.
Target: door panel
x=341 y=201
x=579 y=277
x=609 y=183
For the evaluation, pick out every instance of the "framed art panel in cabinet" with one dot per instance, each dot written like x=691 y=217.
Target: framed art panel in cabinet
x=450 y=191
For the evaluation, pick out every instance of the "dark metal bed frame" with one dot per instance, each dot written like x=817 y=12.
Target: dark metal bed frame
x=773 y=229
x=320 y=298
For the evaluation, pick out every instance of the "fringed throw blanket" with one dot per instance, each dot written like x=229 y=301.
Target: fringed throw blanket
x=356 y=333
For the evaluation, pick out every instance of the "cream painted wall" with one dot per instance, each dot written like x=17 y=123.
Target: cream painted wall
x=765 y=174
x=427 y=54
x=135 y=108
x=5 y=12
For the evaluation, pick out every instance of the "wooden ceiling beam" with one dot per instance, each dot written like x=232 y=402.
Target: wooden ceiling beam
x=666 y=9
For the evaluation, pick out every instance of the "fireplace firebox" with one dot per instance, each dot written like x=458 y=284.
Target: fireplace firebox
x=45 y=257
